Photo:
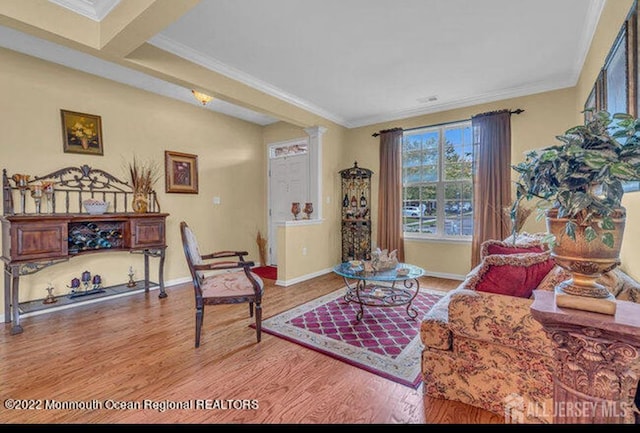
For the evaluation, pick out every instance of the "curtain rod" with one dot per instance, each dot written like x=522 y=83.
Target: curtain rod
x=375 y=134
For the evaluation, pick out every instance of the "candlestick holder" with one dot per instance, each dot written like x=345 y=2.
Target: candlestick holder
x=47 y=187
x=86 y=280
x=22 y=181
x=36 y=193
x=131 y=283
x=50 y=299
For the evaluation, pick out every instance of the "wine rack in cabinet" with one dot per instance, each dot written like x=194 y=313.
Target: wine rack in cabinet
x=356 y=213
x=91 y=236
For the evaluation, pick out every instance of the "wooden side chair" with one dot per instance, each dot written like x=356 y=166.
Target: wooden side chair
x=221 y=288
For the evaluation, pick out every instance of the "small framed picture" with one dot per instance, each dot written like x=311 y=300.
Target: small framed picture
x=181 y=172
x=81 y=133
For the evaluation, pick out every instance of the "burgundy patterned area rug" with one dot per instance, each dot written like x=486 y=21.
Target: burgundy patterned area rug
x=385 y=342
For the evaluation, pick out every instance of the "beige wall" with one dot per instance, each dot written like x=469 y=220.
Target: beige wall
x=134 y=122
x=546 y=115
x=613 y=16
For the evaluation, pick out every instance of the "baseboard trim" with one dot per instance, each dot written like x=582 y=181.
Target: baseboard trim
x=177 y=281
x=446 y=275
x=287 y=283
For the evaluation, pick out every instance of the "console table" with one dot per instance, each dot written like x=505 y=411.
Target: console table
x=32 y=241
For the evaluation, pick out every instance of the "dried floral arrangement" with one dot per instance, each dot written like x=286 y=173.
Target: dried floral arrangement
x=262 y=248
x=518 y=215
x=143 y=175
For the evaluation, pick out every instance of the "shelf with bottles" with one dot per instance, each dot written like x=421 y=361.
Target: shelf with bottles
x=354 y=207
x=98 y=235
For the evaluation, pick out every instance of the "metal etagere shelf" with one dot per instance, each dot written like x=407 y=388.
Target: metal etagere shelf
x=356 y=213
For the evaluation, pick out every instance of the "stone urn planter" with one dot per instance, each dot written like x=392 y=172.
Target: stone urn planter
x=586 y=259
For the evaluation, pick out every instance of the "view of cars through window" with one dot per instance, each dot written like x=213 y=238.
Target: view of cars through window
x=437 y=186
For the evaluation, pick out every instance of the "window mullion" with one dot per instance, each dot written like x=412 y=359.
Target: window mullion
x=440 y=189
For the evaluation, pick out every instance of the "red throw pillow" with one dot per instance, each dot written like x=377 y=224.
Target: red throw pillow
x=491 y=247
x=512 y=274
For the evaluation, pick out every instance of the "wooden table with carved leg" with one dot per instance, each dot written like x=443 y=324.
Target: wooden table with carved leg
x=597 y=361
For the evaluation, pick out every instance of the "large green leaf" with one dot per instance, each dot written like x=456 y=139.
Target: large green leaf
x=624 y=171
x=590 y=234
x=607 y=239
x=549 y=155
x=607 y=223
x=570 y=229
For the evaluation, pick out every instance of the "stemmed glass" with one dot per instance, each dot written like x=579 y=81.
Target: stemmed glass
x=308 y=209
x=295 y=209
x=36 y=193
x=22 y=181
x=48 y=192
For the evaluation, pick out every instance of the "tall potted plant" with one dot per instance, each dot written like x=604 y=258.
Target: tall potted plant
x=579 y=187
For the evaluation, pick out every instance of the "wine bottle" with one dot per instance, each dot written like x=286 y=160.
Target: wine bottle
x=345 y=201
x=363 y=200
x=354 y=202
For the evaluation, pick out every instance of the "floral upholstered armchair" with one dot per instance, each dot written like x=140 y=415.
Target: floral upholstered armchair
x=482 y=347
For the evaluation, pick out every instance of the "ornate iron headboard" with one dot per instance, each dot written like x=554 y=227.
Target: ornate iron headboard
x=72 y=185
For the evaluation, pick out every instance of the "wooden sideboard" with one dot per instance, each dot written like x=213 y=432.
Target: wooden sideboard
x=34 y=240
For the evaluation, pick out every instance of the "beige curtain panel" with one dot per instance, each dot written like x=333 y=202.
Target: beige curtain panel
x=492 y=178
x=390 y=192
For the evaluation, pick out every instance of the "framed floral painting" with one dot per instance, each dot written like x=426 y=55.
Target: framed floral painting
x=181 y=172
x=81 y=133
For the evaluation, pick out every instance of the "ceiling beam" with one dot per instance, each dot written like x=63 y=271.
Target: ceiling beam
x=169 y=67
x=50 y=21
x=131 y=24
x=124 y=33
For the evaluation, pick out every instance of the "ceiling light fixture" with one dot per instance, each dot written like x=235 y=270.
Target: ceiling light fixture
x=202 y=97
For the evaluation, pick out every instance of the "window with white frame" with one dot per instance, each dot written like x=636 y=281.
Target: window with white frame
x=437 y=185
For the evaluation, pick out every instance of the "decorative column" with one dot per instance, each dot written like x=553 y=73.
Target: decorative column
x=597 y=361
x=315 y=167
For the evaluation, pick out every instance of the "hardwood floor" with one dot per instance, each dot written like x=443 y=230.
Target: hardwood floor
x=115 y=355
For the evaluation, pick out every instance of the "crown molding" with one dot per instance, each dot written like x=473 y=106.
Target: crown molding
x=589 y=30
x=215 y=65
x=464 y=102
x=65 y=56
x=93 y=9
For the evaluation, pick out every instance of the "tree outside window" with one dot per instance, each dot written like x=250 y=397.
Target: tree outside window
x=437 y=183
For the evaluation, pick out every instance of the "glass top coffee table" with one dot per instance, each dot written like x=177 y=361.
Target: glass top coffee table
x=389 y=288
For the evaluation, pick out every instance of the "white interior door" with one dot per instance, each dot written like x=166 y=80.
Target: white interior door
x=288 y=183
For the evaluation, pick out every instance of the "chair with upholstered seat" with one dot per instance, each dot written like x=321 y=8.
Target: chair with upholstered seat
x=221 y=287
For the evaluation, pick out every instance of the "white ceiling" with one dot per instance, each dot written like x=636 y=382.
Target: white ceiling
x=359 y=62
